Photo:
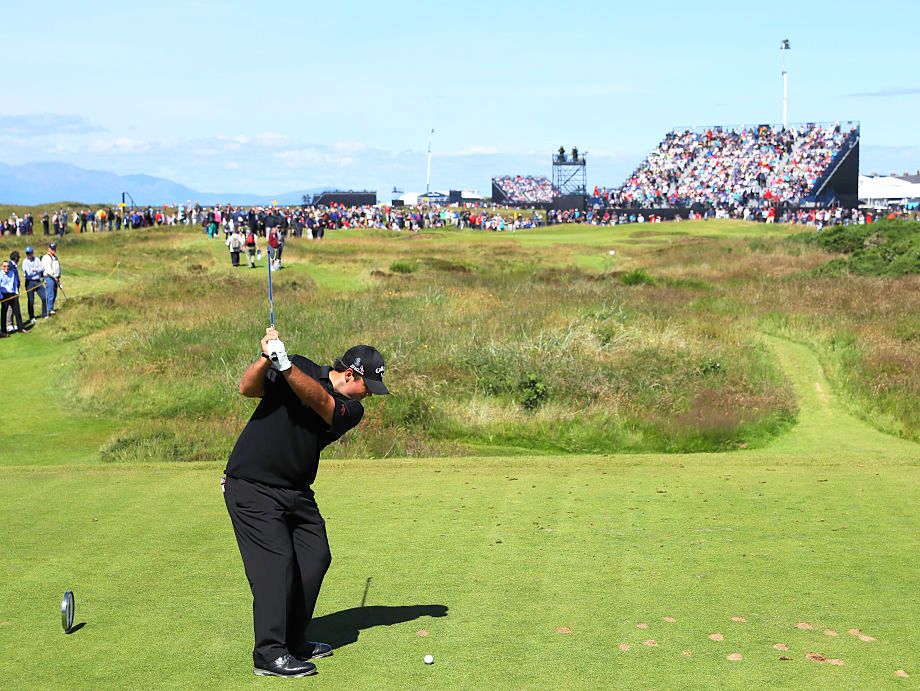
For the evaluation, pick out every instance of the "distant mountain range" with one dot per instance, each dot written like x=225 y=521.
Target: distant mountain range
x=42 y=183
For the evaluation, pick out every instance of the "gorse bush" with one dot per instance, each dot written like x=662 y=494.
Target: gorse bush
x=886 y=248
x=533 y=392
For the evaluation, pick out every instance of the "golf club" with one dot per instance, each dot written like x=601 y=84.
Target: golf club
x=271 y=305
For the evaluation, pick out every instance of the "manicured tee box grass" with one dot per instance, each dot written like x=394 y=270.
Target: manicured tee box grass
x=585 y=572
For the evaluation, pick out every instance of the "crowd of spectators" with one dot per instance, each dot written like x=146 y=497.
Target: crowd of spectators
x=749 y=166
x=525 y=189
x=313 y=222
x=38 y=278
x=103 y=219
x=31 y=277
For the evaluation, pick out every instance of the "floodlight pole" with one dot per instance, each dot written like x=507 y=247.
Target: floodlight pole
x=783 y=47
x=428 y=178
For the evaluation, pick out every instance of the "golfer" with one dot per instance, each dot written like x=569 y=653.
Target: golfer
x=279 y=529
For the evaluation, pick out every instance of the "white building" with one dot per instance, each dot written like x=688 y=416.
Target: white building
x=888 y=190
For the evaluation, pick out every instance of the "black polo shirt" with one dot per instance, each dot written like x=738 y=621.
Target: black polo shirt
x=280 y=444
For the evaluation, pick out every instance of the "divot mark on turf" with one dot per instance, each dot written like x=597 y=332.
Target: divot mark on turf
x=835 y=661
x=739 y=620
x=422 y=632
x=641 y=626
x=804 y=626
x=670 y=620
x=734 y=657
x=650 y=643
x=716 y=637
x=624 y=647
x=780 y=646
x=816 y=657
x=783 y=658
x=901 y=673
x=686 y=653
x=861 y=636
x=563 y=629
x=830 y=632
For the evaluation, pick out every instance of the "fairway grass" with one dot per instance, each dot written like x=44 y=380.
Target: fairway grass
x=514 y=548
x=545 y=566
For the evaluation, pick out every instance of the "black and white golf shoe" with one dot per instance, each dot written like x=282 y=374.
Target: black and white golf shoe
x=314 y=651
x=285 y=666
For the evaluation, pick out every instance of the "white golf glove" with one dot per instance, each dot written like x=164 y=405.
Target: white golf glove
x=278 y=355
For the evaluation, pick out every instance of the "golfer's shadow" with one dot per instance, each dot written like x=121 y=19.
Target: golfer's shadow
x=343 y=628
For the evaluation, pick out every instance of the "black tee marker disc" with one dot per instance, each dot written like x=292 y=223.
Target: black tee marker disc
x=67 y=611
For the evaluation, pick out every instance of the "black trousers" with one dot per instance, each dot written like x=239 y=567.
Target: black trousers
x=10 y=305
x=282 y=539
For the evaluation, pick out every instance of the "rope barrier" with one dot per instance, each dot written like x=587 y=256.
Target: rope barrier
x=28 y=290
x=42 y=284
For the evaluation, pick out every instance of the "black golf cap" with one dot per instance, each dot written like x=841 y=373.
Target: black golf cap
x=368 y=362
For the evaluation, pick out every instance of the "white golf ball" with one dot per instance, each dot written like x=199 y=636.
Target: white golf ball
x=429 y=659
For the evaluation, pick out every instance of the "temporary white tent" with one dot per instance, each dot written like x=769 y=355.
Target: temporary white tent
x=887 y=189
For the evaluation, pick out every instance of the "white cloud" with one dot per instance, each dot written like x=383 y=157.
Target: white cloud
x=312 y=156
x=471 y=151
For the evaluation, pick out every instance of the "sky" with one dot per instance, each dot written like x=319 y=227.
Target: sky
x=279 y=96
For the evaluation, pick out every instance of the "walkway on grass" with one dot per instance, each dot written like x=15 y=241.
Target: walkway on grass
x=42 y=427
x=824 y=426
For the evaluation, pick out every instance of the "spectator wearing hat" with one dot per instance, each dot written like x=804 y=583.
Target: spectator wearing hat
x=52 y=267
x=34 y=273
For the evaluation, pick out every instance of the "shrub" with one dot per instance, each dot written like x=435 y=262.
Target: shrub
x=407 y=411
x=533 y=392
x=637 y=277
x=151 y=445
x=401 y=266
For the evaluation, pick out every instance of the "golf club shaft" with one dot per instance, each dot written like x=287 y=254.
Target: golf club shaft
x=271 y=304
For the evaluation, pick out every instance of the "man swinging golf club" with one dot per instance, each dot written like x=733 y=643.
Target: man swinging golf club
x=278 y=526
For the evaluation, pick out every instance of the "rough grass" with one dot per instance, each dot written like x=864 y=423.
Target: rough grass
x=614 y=362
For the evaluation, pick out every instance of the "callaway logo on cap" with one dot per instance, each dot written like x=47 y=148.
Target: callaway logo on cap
x=368 y=362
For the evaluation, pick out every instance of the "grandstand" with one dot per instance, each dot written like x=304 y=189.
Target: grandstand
x=518 y=190
x=753 y=165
